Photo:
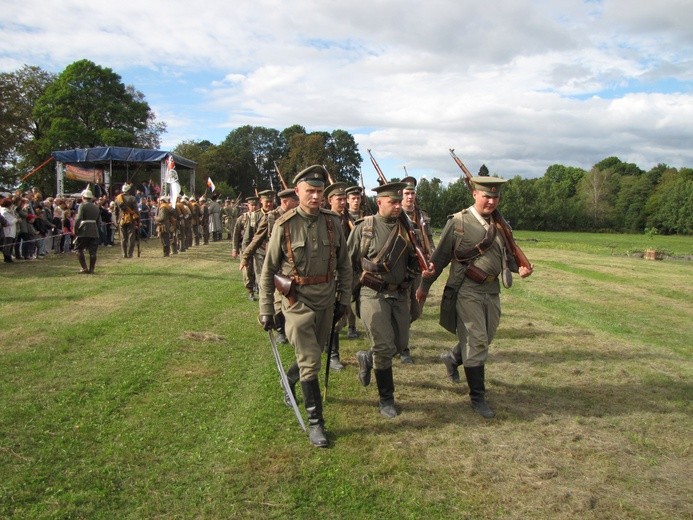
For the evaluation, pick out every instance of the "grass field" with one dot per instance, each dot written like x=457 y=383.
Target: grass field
x=148 y=390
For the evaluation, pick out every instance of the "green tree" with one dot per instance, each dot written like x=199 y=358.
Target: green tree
x=670 y=208
x=597 y=191
x=88 y=105
x=19 y=92
x=344 y=157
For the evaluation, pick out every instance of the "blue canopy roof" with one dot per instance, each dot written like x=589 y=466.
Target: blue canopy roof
x=105 y=154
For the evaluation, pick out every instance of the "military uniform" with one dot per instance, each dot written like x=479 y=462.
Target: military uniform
x=231 y=214
x=195 y=217
x=128 y=220
x=87 y=224
x=214 y=218
x=183 y=212
x=424 y=234
x=166 y=221
x=353 y=217
x=308 y=246
x=204 y=220
x=471 y=299
x=385 y=261
x=243 y=233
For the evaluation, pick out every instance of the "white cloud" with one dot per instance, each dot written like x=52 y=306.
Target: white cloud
x=517 y=84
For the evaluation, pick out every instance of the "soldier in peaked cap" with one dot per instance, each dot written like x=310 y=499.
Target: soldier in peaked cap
x=471 y=302
x=335 y=197
x=384 y=260
x=308 y=248
x=204 y=220
x=288 y=200
x=354 y=212
x=424 y=233
x=166 y=221
x=243 y=233
x=86 y=228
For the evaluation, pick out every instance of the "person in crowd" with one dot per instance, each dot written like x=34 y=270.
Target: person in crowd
x=87 y=223
x=9 y=227
x=128 y=220
x=214 y=209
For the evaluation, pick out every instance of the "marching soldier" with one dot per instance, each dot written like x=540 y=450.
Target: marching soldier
x=385 y=260
x=183 y=216
x=422 y=226
x=242 y=235
x=335 y=195
x=307 y=248
x=287 y=200
x=355 y=212
x=87 y=225
x=128 y=219
x=204 y=220
x=166 y=223
x=214 y=218
x=195 y=217
x=231 y=212
x=471 y=301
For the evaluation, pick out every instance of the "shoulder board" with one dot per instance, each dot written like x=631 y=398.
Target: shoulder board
x=286 y=216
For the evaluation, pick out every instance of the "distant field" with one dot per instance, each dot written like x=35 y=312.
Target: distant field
x=148 y=390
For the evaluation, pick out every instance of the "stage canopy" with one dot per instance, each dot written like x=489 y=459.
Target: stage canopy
x=96 y=164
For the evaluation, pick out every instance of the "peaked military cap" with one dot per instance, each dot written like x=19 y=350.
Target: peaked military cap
x=489 y=185
x=354 y=190
x=267 y=195
x=337 y=188
x=315 y=175
x=391 y=189
x=410 y=182
x=288 y=192
x=252 y=199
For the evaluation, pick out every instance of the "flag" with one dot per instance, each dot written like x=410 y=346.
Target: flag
x=210 y=184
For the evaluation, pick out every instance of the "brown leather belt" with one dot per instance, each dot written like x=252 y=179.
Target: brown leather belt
x=312 y=280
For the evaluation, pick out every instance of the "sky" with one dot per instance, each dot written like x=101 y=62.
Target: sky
x=517 y=85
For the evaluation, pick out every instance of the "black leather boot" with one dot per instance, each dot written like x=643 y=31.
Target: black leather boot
x=313 y=402
x=83 y=263
x=293 y=375
x=279 y=323
x=452 y=362
x=365 y=361
x=92 y=264
x=386 y=392
x=335 y=363
x=477 y=391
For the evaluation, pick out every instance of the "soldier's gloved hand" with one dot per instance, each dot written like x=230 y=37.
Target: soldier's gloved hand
x=339 y=311
x=267 y=321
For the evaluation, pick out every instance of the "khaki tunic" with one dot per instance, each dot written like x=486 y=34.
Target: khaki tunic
x=385 y=314
x=477 y=306
x=309 y=319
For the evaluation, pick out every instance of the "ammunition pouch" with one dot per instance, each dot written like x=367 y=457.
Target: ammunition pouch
x=286 y=286
x=479 y=275
x=372 y=281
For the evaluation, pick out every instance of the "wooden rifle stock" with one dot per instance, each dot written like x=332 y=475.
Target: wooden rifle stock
x=285 y=186
x=501 y=224
x=420 y=255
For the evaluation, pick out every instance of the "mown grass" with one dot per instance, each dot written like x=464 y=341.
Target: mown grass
x=148 y=391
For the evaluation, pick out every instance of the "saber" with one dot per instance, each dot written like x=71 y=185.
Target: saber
x=284 y=380
x=329 y=355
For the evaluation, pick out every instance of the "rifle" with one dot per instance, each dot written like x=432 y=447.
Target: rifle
x=364 y=200
x=422 y=258
x=284 y=380
x=501 y=224
x=330 y=179
x=285 y=186
x=420 y=223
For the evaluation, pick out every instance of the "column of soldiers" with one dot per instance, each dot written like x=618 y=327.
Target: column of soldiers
x=390 y=283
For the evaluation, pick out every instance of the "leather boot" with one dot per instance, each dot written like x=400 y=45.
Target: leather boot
x=335 y=363
x=386 y=392
x=451 y=363
x=92 y=264
x=279 y=323
x=365 y=361
x=477 y=391
x=83 y=263
x=293 y=376
x=313 y=402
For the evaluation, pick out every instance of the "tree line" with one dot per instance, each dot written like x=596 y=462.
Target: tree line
x=87 y=105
